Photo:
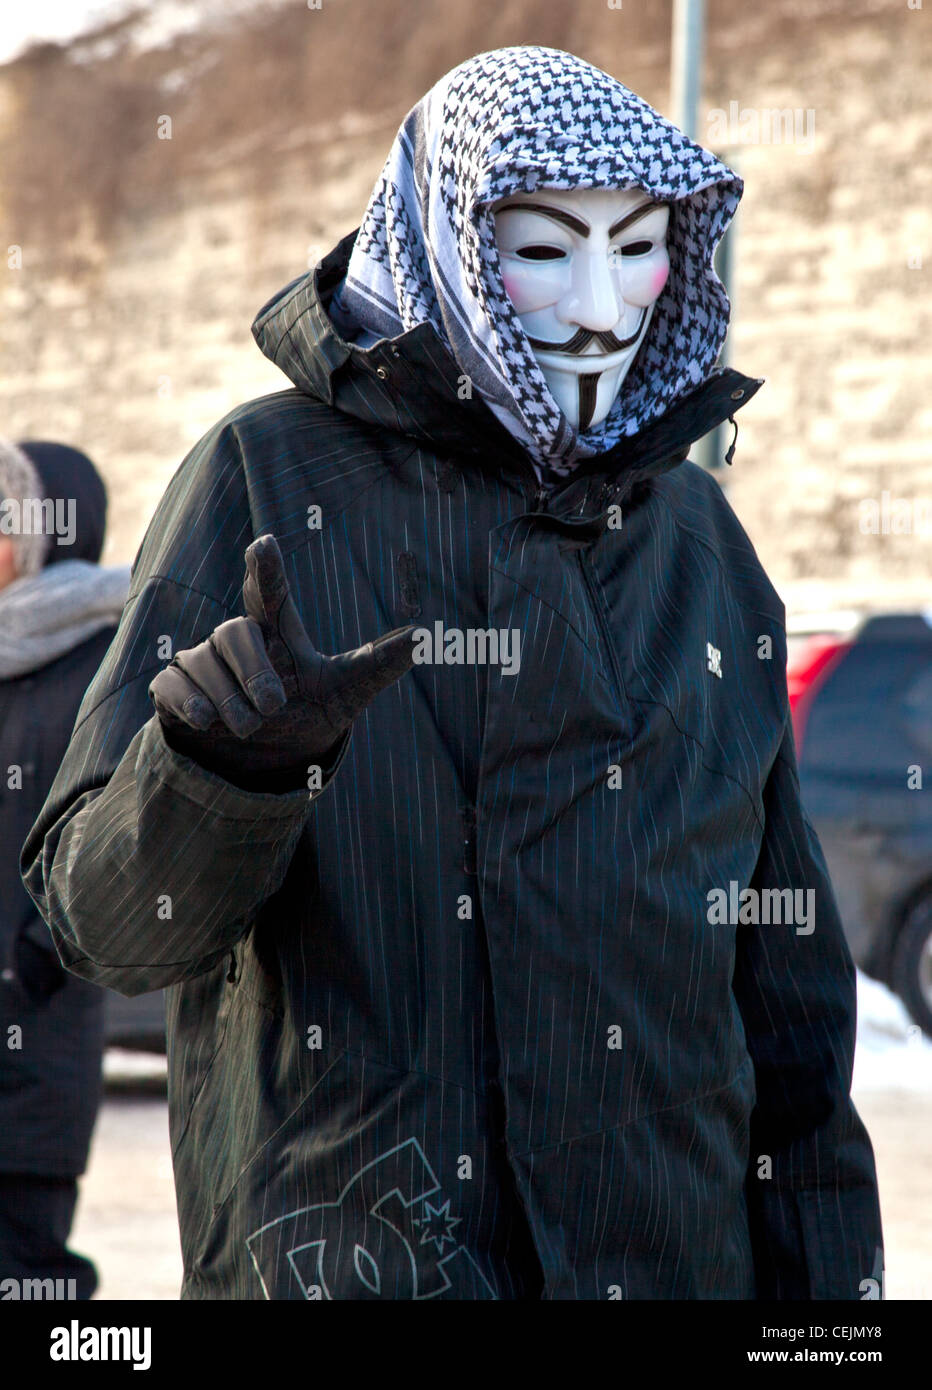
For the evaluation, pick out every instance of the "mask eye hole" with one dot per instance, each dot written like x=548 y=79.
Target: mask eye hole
x=540 y=253
x=636 y=248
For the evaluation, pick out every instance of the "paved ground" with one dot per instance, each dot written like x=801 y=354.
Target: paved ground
x=126 y=1220
x=127 y=1223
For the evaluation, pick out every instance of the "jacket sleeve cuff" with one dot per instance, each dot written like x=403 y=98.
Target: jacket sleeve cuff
x=215 y=794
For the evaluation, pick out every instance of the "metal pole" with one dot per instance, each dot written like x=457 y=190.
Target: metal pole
x=686 y=64
x=719 y=438
x=711 y=448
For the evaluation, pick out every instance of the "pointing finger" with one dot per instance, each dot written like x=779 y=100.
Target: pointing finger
x=355 y=678
x=268 y=600
x=265 y=586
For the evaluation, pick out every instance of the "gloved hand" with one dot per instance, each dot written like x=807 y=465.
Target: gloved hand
x=257 y=703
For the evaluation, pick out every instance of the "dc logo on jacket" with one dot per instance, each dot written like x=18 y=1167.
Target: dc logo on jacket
x=389 y=1234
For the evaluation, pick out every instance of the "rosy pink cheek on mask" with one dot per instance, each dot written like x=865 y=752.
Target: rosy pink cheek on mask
x=660 y=278
x=510 y=287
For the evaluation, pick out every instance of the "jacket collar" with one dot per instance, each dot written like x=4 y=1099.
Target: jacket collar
x=415 y=387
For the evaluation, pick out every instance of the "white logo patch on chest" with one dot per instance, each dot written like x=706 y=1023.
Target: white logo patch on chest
x=714 y=659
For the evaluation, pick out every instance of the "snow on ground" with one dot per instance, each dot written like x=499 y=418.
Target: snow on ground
x=892 y=1051
x=121 y=1064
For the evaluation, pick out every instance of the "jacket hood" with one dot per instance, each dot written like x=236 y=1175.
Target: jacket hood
x=409 y=384
x=515 y=120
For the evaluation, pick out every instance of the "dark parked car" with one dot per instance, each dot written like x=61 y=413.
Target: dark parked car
x=861 y=696
x=137 y=1023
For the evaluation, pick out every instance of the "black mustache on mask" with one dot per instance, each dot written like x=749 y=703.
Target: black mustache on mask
x=584 y=336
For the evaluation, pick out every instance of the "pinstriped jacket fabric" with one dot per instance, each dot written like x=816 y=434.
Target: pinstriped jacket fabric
x=461 y=1023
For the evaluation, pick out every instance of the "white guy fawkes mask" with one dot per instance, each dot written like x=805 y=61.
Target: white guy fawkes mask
x=583 y=268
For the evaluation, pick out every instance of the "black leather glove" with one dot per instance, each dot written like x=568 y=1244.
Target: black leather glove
x=257 y=703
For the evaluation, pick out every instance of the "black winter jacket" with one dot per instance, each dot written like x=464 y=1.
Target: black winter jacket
x=50 y=1084
x=463 y=1023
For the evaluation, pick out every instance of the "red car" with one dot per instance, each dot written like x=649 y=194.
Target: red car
x=860 y=689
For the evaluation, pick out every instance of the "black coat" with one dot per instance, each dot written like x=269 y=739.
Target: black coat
x=50 y=1086
x=460 y=1023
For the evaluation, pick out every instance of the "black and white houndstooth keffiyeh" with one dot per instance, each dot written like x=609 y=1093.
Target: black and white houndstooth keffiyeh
x=513 y=120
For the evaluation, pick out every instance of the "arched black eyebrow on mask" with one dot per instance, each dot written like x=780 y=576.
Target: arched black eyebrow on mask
x=634 y=216
x=575 y=224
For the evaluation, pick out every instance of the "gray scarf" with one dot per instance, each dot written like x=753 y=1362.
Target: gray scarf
x=45 y=615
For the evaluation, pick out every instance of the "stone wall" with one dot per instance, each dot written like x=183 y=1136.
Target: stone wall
x=131 y=344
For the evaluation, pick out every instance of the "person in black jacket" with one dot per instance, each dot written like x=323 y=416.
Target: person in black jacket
x=469 y=992
x=58 y=614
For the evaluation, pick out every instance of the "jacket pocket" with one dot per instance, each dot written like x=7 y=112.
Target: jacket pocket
x=196 y=1016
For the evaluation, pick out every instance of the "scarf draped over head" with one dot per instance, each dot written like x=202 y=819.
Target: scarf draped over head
x=514 y=120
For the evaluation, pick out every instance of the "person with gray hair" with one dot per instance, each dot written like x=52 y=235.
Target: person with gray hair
x=22 y=550
x=58 y=613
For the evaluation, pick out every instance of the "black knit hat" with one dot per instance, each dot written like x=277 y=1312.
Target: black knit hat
x=68 y=474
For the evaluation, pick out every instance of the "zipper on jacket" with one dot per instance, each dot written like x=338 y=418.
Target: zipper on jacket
x=596 y=604
x=470 y=862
